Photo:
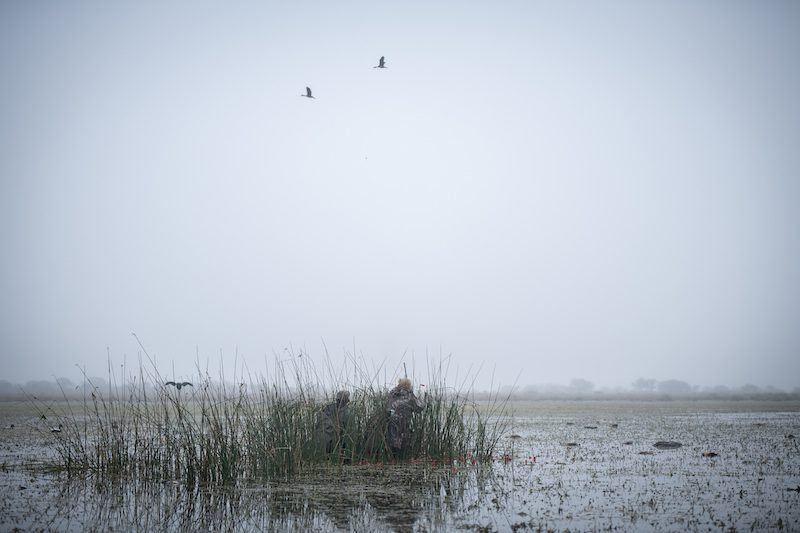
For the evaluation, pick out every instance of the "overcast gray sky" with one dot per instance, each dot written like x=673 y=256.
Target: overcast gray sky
x=552 y=190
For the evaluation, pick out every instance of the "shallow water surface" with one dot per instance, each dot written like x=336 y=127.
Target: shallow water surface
x=580 y=466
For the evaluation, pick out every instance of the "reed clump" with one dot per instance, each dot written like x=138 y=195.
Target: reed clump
x=213 y=432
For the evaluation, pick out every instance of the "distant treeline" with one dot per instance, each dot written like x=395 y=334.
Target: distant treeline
x=622 y=395
x=578 y=389
x=51 y=390
x=646 y=390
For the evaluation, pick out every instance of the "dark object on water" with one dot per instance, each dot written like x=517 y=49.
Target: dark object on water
x=569 y=423
x=572 y=444
x=179 y=384
x=790 y=436
x=627 y=442
x=332 y=423
x=56 y=429
x=795 y=489
x=667 y=445
x=589 y=427
x=515 y=436
x=614 y=426
x=710 y=454
x=645 y=453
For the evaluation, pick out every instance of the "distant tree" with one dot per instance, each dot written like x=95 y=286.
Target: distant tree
x=95 y=381
x=644 y=385
x=8 y=389
x=674 y=386
x=581 y=385
x=749 y=388
x=41 y=388
x=65 y=383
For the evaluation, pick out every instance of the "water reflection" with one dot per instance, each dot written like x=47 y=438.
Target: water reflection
x=375 y=498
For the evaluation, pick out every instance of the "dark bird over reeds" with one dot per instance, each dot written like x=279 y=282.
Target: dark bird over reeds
x=381 y=63
x=178 y=384
x=308 y=93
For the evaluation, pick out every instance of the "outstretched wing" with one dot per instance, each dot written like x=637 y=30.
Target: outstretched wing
x=170 y=383
x=185 y=383
x=308 y=91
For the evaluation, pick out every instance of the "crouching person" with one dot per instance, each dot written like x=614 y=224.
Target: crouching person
x=401 y=404
x=332 y=424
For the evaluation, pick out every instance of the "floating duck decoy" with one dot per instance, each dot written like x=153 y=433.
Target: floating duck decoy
x=308 y=93
x=381 y=63
x=178 y=384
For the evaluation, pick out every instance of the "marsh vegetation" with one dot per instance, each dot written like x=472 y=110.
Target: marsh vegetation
x=212 y=432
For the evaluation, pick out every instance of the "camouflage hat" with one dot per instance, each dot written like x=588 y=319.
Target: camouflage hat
x=343 y=396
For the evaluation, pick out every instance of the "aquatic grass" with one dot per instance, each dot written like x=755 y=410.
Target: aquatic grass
x=214 y=432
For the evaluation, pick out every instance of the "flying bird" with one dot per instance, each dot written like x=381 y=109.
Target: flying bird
x=381 y=63
x=308 y=93
x=179 y=384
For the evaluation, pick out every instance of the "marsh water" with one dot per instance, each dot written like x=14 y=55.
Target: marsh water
x=567 y=465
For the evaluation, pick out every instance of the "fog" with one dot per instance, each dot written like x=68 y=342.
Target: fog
x=534 y=191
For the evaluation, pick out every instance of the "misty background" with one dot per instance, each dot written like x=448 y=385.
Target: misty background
x=550 y=192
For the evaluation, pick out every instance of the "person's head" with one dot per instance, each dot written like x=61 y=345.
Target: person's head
x=343 y=397
x=404 y=383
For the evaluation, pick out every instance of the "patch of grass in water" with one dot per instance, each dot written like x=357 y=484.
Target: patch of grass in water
x=213 y=433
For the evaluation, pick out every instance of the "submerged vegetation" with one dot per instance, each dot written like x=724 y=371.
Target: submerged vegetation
x=211 y=432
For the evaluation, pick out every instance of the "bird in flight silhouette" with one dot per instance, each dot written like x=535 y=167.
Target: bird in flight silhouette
x=179 y=384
